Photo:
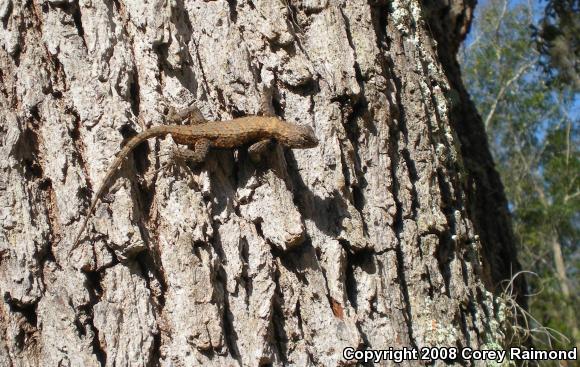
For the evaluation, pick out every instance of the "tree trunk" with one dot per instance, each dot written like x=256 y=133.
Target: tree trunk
x=393 y=232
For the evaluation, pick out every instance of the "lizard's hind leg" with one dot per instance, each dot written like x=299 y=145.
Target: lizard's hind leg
x=195 y=156
x=178 y=156
x=190 y=113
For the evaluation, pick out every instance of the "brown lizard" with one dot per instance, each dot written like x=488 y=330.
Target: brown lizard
x=255 y=130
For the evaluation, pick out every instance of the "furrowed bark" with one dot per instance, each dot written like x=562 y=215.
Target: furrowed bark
x=393 y=232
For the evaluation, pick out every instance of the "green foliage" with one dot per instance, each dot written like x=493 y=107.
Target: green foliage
x=534 y=135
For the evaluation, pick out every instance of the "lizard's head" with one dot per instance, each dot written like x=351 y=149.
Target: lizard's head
x=298 y=136
x=306 y=137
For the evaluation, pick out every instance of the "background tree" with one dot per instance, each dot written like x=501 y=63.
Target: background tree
x=393 y=232
x=532 y=124
x=556 y=38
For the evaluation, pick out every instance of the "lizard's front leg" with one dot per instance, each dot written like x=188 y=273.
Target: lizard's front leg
x=266 y=106
x=257 y=150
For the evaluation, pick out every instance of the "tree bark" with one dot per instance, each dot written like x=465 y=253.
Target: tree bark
x=393 y=232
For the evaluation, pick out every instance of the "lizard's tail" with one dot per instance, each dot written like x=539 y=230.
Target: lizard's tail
x=112 y=171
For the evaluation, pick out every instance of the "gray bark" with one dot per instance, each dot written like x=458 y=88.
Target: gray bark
x=391 y=233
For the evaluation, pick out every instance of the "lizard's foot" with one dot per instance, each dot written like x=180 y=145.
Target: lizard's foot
x=175 y=167
x=162 y=167
x=190 y=114
x=179 y=157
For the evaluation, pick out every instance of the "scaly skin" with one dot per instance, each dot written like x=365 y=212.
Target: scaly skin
x=219 y=134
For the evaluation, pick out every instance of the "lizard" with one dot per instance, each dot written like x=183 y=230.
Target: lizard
x=203 y=136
